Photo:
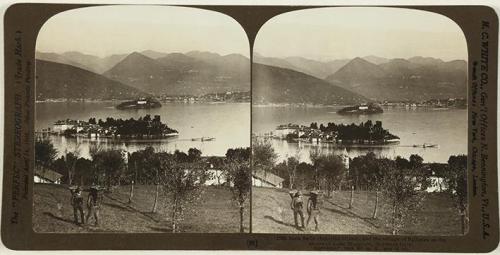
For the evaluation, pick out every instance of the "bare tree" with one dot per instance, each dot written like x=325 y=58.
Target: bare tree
x=292 y=163
x=70 y=159
x=401 y=187
x=240 y=177
x=263 y=155
x=183 y=179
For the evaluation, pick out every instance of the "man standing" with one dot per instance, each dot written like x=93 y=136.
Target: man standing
x=77 y=203
x=93 y=204
x=313 y=209
x=297 y=207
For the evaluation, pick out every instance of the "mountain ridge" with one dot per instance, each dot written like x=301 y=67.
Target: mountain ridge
x=280 y=85
x=57 y=81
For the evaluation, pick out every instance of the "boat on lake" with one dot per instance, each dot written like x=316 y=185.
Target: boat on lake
x=203 y=139
x=425 y=145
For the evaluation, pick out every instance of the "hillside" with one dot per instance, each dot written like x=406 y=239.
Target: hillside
x=414 y=79
x=317 y=68
x=214 y=213
x=280 y=85
x=357 y=70
x=88 y=62
x=55 y=80
x=271 y=213
x=194 y=73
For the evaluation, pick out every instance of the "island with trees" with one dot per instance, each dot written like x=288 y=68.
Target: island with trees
x=366 y=133
x=370 y=108
x=141 y=128
x=141 y=103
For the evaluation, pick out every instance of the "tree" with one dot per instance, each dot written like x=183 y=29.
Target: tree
x=239 y=173
x=263 y=155
x=70 y=159
x=183 y=180
x=194 y=154
x=305 y=176
x=110 y=165
x=456 y=182
x=292 y=163
x=152 y=163
x=288 y=169
x=314 y=156
x=401 y=188
x=45 y=154
x=331 y=170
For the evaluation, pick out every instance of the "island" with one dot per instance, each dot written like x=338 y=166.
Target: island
x=370 y=108
x=365 y=133
x=142 y=128
x=141 y=103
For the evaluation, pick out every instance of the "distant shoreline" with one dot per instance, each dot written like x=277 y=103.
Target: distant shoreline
x=119 y=101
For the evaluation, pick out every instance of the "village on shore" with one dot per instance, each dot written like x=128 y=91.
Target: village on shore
x=142 y=128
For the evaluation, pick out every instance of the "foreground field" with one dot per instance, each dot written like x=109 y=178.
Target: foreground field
x=271 y=213
x=214 y=212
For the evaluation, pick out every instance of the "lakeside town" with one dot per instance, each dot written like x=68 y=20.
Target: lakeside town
x=222 y=97
x=437 y=104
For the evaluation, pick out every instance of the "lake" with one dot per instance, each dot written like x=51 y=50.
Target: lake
x=228 y=123
x=445 y=127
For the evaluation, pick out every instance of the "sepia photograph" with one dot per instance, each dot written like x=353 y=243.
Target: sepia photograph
x=359 y=123
x=142 y=122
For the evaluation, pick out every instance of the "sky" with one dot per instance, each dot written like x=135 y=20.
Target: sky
x=107 y=30
x=348 y=32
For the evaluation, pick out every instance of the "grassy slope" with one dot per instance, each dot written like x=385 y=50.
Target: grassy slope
x=271 y=213
x=214 y=212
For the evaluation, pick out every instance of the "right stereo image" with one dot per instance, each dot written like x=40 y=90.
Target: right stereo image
x=359 y=123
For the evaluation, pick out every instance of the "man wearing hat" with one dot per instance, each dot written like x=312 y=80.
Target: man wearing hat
x=94 y=203
x=313 y=208
x=77 y=203
x=297 y=207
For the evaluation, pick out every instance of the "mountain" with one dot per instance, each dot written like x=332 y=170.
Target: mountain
x=316 y=68
x=153 y=54
x=415 y=79
x=335 y=65
x=54 y=57
x=425 y=60
x=356 y=71
x=88 y=62
x=194 y=73
x=280 y=85
x=55 y=80
x=376 y=60
x=179 y=61
x=277 y=62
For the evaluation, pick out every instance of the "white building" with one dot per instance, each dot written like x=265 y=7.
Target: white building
x=283 y=130
x=265 y=179
x=217 y=177
x=61 y=126
x=47 y=176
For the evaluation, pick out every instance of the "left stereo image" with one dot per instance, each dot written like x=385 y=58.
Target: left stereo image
x=142 y=122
